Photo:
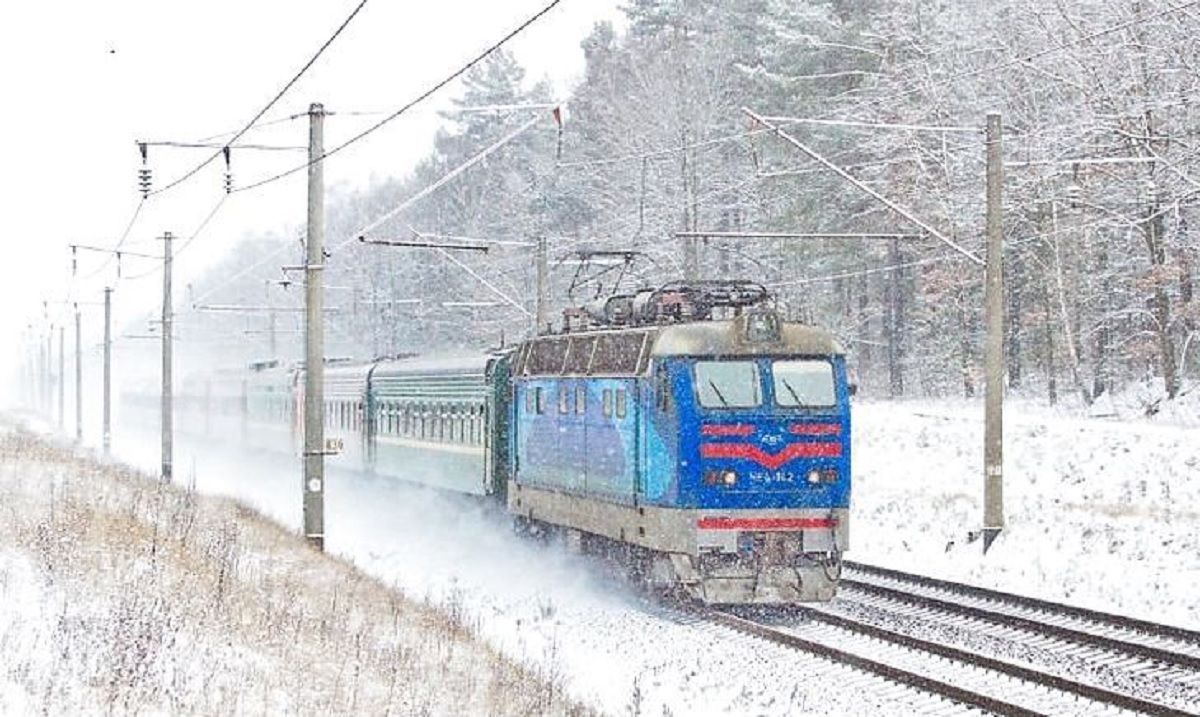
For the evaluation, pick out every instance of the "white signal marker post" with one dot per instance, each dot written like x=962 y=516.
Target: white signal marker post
x=993 y=437
x=314 y=338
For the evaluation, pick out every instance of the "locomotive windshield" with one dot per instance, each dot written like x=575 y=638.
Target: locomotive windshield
x=804 y=383
x=728 y=384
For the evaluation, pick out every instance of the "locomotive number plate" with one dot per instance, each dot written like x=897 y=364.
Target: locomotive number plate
x=774 y=477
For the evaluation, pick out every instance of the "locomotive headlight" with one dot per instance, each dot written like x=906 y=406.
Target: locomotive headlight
x=814 y=476
x=729 y=477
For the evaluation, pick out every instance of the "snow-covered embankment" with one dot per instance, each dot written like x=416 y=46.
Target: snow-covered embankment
x=122 y=594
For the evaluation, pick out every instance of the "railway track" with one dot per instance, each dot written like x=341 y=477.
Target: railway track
x=990 y=651
x=1163 y=643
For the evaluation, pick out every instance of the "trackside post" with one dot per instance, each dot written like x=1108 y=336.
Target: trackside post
x=993 y=438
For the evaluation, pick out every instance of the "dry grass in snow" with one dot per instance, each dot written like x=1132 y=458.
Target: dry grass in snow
x=124 y=595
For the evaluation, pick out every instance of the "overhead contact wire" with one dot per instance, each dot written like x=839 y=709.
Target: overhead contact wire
x=279 y=95
x=412 y=103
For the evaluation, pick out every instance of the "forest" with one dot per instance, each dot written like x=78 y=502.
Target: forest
x=1101 y=189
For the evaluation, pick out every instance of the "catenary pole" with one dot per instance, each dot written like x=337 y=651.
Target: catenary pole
x=270 y=323
x=167 y=422
x=540 y=309
x=993 y=452
x=314 y=365
x=48 y=365
x=62 y=378
x=107 y=425
x=78 y=377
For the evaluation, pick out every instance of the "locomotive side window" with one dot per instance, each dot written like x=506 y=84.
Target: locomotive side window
x=539 y=406
x=617 y=353
x=620 y=403
x=606 y=403
x=728 y=384
x=662 y=389
x=546 y=356
x=562 y=400
x=579 y=355
x=580 y=400
x=804 y=383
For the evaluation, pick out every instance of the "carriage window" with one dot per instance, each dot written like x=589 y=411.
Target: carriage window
x=580 y=400
x=806 y=383
x=562 y=400
x=606 y=403
x=728 y=384
x=538 y=405
x=620 y=403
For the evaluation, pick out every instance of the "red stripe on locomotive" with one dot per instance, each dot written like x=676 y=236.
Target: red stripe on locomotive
x=790 y=452
x=723 y=523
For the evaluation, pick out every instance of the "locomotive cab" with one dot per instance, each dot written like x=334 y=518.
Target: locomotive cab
x=763 y=457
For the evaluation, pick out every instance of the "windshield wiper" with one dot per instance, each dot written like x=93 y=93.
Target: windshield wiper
x=792 y=391
x=718 y=392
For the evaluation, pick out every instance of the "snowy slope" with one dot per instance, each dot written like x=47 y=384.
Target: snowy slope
x=123 y=596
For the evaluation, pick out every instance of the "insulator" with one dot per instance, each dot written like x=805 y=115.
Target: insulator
x=228 y=169
x=144 y=181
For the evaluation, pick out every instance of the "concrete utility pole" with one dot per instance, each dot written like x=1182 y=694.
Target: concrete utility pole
x=691 y=256
x=168 y=427
x=78 y=378
x=314 y=338
x=107 y=429
x=993 y=438
x=271 y=322
x=541 y=307
x=48 y=386
x=62 y=379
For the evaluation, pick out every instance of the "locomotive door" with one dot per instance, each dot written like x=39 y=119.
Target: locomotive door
x=612 y=441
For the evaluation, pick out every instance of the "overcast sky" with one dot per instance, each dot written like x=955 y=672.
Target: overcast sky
x=82 y=81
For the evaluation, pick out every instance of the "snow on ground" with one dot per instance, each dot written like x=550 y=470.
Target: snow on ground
x=1101 y=513
x=566 y=616
x=124 y=596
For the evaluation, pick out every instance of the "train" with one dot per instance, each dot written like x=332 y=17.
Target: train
x=688 y=427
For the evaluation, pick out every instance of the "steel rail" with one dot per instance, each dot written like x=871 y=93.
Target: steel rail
x=1063 y=684
x=1153 y=629
x=1082 y=637
x=889 y=672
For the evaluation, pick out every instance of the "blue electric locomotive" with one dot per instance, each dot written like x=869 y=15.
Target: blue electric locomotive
x=717 y=450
